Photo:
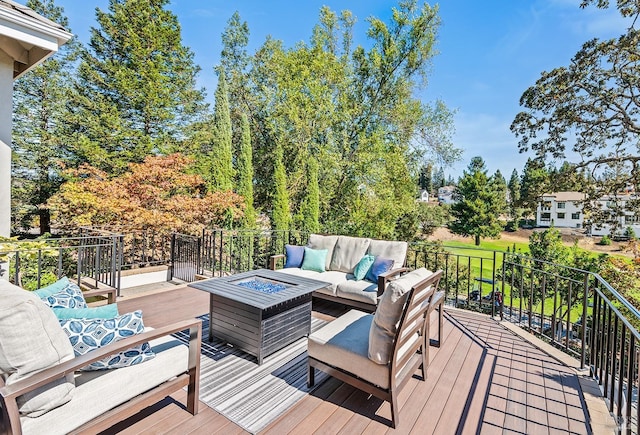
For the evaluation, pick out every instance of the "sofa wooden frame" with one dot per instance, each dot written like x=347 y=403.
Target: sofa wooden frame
x=190 y=378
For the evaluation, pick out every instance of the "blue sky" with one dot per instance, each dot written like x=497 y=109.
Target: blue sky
x=489 y=52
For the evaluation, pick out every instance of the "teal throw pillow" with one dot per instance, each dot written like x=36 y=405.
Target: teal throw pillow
x=363 y=267
x=102 y=312
x=314 y=259
x=51 y=289
x=86 y=335
x=62 y=294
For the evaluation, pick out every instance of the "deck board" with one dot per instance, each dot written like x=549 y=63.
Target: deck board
x=483 y=379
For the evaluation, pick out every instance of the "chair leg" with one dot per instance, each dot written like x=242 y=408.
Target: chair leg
x=438 y=342
x=394 y=411
x=311 y=376
x=425 y=351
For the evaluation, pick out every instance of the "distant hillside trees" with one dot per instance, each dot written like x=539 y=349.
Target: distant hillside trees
x=480 y=200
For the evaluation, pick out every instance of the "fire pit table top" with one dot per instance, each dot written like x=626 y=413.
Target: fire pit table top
x=261 y=288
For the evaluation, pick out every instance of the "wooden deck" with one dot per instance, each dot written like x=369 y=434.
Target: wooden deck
x=484 y=379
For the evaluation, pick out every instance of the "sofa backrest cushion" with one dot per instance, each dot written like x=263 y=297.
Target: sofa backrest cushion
x=388 y=313
x=396 y=251
x=316 y=241
x=32 y=340
x=347 y=253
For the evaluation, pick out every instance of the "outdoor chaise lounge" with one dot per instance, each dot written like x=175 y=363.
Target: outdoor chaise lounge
x=378 y=353
x=43 y=391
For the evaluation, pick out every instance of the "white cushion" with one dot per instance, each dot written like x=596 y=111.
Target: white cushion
x=344 y=343
x=388 y=312
x=347 y=253
x=32 y=340
x=363 y=291
x=317 y=241
x=99 y=391
x=396 y=251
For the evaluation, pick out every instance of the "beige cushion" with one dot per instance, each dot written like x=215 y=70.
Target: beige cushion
x=317 y=241
x=347 y=253
x=32 y=340
x=387 y=317
x=344 y=343
x=396 y=251
x=362 y=291
x=99 y=391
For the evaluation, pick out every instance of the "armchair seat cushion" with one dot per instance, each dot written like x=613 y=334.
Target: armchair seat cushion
x=344 y=342
x=112 y=387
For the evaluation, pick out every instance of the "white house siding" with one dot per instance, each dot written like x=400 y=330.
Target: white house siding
x=561 y=210
x=6 y=96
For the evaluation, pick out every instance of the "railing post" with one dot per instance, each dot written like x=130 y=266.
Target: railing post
x=583 y=336
x=173 y=257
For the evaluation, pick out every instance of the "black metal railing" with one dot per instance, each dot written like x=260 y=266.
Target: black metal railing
x=140 y=248
x=90 y=260
x=574 y=310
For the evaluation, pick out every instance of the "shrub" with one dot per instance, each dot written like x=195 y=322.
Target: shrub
x=605 y=240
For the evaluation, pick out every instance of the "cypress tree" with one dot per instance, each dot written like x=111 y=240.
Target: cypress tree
x=245 y=172
x=310 y=207
x=221 y=176
x=280 y=208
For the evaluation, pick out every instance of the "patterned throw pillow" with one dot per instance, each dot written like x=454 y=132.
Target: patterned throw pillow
x=86 y=335
x=62 y=294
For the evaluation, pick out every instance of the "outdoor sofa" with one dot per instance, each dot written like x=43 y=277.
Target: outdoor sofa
x=337 y=260
x=43 y=391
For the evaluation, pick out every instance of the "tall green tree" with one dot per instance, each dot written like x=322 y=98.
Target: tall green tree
x=136 y=91
x=220 y=176
x=40 y=144
x=589 y=109
x=353 y=109
x=244 y=184
x=310 y=207
x=478 y=205
x=534 y=183
x=281 y=210
x=499 y=184
x=514 y=199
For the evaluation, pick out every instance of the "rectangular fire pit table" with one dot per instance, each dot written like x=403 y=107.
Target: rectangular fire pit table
x=259 y=311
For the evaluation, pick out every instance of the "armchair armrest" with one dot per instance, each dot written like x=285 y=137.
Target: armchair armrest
x=273 y=260
x=385 y=277
x=9 y=393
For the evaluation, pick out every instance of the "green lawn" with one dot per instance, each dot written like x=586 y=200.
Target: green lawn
x=480 y=259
